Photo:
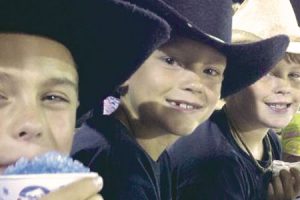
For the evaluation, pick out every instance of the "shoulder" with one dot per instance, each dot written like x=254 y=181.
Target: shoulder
x=221 y=177
x=90 y=145
x=206 y=142
x=87 y=137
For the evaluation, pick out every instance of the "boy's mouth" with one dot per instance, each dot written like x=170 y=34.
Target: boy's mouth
x=184 y=105
x=279 y=107
x=5 y=165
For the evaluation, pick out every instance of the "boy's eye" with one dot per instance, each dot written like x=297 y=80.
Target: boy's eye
x=295 y=75
x=269 y=74
x=55 y=98
x=2 y=97
x=172 y=61
x=211 y=72
x=3 y=100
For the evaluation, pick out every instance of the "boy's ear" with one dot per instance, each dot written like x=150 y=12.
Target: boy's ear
x=123 y=89
x=126 y=83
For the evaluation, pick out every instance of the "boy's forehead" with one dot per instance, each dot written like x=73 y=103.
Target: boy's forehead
x=35 y=55
x=14 y=46
x=287 y=63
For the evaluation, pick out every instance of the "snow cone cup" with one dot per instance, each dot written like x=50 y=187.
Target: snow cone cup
x=34 y=186
x=30 y=179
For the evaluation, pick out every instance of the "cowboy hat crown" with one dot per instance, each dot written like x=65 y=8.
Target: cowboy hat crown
x=268 y=18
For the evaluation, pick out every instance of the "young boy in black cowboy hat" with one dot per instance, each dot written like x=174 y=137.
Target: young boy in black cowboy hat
x=174 y=90
x=46 y=47
x=230 y=156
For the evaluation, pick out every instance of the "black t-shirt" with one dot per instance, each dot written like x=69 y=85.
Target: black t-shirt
x=129 y=173
x=208 y=164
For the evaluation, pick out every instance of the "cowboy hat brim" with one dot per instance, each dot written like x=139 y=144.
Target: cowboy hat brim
x=108 y=39
x=246 y=62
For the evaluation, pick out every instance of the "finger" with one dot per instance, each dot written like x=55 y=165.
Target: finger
x=270 y=192
x=278 y=189
x=287 y=184
x=95 y=197
x=296 y=175
x=74 y=191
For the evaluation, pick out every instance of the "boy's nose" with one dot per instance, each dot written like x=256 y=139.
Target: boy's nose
x=283 y=87
x=28 y=132
x=193 y=87
x=29 y=125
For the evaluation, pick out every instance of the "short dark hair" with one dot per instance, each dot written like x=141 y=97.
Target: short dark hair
x=292 y=57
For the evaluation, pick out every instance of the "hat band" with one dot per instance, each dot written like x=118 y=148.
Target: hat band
x=215 y=38
x=240 y=36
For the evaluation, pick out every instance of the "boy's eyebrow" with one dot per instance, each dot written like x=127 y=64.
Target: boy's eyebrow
x=6 y=78
x=61 y=81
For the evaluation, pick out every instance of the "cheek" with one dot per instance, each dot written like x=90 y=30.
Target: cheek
x=154 y=82
x=213 y=92
x=62 y=127
x=4 y=124
x=244 y=103
x=149 y=89
x=252 y=96
x=297 y=92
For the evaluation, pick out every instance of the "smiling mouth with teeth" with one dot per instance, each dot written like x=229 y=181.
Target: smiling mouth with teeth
x=183 y=105
x=279 y=107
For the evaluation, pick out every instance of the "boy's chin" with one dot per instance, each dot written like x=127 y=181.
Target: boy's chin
x=278 y=124
x=182 y=130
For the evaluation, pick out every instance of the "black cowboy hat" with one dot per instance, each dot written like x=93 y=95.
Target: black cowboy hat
x=108 y=39
x=210 y=22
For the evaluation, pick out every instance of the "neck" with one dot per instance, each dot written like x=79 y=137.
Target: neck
x=155 y=146
x=252 y=135
x=153 y=140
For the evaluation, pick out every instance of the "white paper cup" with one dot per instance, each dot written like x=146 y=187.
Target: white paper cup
x=34 y=186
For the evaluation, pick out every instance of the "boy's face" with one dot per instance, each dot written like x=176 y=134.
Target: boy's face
x=38 y=97
x=177 y=87
x=273 y=100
